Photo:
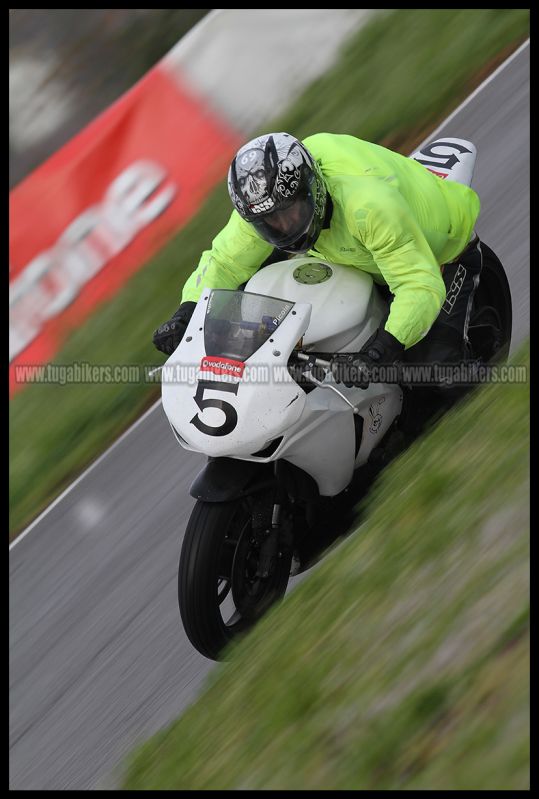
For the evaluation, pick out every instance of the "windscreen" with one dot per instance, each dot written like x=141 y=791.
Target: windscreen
x=238 y=323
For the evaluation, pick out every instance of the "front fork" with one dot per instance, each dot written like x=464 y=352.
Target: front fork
x=272 y=530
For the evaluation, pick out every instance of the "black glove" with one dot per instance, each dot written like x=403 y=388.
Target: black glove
x=167 y=337
x=353 y=368
x=350 y=368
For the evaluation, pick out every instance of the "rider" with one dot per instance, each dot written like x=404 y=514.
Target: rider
x=357 y=203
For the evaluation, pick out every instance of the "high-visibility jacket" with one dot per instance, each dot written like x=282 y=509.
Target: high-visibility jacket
x=391 y=217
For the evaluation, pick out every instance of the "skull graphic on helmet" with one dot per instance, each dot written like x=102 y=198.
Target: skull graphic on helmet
x=251 y=175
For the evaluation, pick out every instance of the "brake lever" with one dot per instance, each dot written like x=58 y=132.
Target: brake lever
x=314 y=361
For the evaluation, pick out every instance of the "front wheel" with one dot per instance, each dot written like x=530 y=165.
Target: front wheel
x=221 y=590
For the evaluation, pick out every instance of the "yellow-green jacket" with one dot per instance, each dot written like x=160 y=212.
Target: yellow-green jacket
x=391 y=217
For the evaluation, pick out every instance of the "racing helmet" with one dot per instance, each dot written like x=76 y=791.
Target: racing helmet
x=277 y=186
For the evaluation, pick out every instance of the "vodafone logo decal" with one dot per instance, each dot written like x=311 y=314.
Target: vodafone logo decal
x=222 y=366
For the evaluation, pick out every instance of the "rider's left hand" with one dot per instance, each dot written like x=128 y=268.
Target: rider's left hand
x=353 y=368
x=349 y=368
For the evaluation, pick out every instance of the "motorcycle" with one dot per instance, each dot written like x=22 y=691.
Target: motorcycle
x=289 y=450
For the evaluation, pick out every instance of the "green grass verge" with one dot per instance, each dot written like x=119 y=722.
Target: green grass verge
x=395 y=80
x=402 y=660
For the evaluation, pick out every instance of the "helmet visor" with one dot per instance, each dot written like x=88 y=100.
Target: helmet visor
x=283 y=228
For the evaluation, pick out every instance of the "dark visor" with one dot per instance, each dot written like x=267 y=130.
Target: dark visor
x=285 y=227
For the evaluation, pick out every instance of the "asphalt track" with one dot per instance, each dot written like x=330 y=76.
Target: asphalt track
x=98 y=657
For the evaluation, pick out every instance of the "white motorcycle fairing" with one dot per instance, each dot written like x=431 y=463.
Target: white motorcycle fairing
x=249 y=419
x=262 y=404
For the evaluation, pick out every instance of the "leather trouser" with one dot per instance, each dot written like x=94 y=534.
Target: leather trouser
x=445 y=341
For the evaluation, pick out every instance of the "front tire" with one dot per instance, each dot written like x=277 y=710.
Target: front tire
x=219 y=593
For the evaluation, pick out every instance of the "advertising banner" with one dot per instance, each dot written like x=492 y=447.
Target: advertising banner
x=94 y=213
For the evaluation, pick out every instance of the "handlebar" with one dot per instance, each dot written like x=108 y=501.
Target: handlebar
x=384 y=373
x=322 y=359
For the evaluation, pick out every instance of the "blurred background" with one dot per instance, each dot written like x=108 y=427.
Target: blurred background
x=122 y=126
x=67 y=65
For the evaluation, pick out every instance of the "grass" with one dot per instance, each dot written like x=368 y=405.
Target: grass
x=402 y=661
x=397 y=77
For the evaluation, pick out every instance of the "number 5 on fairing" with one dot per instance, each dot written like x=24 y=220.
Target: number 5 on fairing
x=231 y=416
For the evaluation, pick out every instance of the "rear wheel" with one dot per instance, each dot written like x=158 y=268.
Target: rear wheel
x=489 y=339
x=490 y=326
x=221 y=591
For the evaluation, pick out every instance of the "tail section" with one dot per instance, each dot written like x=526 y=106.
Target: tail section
x=449 y=158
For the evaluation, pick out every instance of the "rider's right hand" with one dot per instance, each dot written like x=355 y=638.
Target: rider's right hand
x=167 y=337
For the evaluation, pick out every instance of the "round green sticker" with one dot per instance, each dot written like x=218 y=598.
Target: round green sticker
x=312 y=273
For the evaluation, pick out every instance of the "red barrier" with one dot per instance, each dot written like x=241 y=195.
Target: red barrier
x=90 y=216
